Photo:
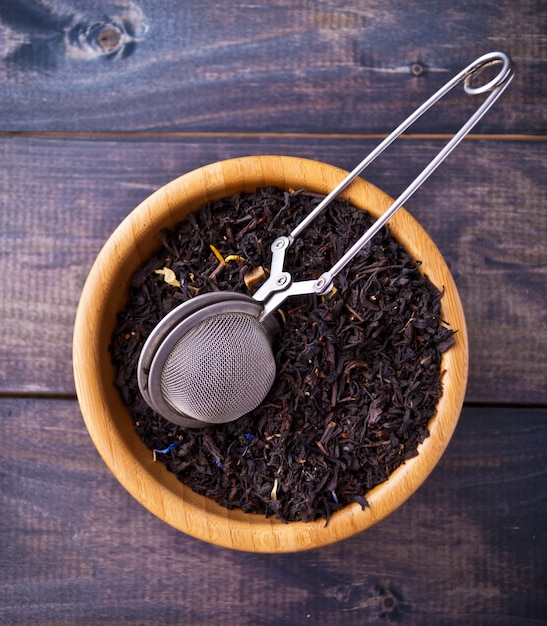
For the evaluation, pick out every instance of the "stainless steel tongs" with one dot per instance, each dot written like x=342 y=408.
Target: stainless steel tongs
x=280 y=285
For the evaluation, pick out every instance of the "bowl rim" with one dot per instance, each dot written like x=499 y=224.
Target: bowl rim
x=108 y=420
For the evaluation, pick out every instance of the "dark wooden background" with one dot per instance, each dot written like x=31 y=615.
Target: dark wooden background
x=103 y=101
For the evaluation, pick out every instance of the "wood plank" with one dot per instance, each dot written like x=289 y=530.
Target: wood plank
x=468 y=547
x=61 y=199
x=280 y=66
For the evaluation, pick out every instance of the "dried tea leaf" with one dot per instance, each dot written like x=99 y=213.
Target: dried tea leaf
x=254 y=276
x=374 y=411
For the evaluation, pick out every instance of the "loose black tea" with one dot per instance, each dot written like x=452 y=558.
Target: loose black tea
x=358 y=370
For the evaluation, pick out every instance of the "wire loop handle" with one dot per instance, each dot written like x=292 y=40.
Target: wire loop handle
x=280 y=286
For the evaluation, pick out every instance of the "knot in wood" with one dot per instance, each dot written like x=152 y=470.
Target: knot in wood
x=417 y=69
x=106 y=38
x=389 y=603
x=109 y=38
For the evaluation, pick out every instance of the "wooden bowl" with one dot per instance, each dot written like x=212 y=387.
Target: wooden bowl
x=108 y=420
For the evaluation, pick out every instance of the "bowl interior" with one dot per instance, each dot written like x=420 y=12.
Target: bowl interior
x=108 y=420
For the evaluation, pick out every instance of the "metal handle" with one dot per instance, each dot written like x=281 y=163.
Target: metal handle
x=280 y=285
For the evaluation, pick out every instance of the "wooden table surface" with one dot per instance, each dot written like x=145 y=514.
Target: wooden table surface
x=103 y=101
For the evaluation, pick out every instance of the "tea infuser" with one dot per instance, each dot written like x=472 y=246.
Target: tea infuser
x=210 y=360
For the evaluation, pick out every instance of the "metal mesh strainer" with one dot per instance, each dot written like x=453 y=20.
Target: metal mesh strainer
x=220 y=369
x=210 y=360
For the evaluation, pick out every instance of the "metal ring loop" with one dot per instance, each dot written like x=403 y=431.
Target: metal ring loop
x=486 y=63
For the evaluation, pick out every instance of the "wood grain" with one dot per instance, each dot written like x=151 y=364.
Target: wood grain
x=61 y=198
x=75 y=548
x=280 y=66
x=468 y=548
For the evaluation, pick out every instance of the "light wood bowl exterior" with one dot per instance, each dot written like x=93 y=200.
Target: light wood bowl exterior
x=108 y=420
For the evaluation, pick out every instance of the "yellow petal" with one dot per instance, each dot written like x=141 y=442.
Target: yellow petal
x=168 y=276
x=273 y=493
x=216 y=253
